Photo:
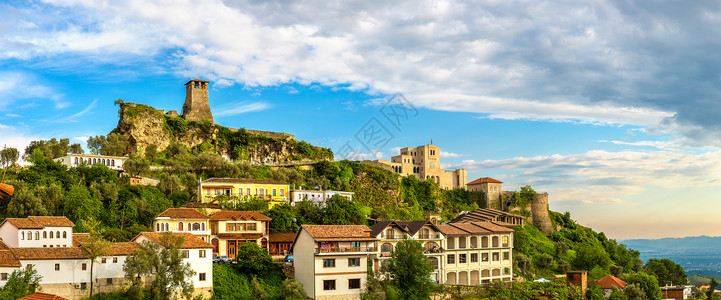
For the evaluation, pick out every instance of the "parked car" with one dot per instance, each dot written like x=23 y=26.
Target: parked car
x=222 y=259
x=288 y=258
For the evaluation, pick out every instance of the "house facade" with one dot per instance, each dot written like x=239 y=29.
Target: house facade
x=331 y=260
x=317 y=196
x=180 y=220
x=231 y=229
x=76 y=160
x=477 y=253
x=272 y=191
x=390 y=233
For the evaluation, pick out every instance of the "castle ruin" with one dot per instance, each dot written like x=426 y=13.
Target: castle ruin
x=197 y=106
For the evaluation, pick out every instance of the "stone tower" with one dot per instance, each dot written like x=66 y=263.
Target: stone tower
x=197 y=107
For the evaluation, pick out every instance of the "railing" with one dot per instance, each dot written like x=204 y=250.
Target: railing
x=429 y=236
x=393 y=237
x=345 y=249
x=433 y=251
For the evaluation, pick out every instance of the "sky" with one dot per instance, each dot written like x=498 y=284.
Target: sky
x=612 y=107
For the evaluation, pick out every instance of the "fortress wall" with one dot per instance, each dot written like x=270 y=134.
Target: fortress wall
x=539 y=211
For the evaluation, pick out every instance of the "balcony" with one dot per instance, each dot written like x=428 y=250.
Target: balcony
x=393 y=237
x=340 y=250
x=429 y=236
x=433 y=251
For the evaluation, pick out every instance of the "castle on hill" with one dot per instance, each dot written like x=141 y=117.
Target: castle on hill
x=424 y=162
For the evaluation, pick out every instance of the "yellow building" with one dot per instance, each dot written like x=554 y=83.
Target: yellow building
x=273 y=191
x=180 y=220
x=231 y=229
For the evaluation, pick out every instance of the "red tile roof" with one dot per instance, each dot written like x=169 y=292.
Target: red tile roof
x=610 y=282
x=7 y=189
x=7 y=259
x=49 y=253
x=181 y=213
x=23 y=223
x=42 y=296
x=80 y=238
x=471 y=228
x=242 y=181
x=238 y=216
x=327 y=233
x=282 y=237
x=190 y=242
x=123 y=248
x=485 y=180
x=38 y=222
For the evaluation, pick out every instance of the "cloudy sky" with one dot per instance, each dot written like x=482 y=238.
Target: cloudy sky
x=610 y=106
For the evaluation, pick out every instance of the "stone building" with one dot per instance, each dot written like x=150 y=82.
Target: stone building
x=197 y=107
x=491 y=189
x=425 y=163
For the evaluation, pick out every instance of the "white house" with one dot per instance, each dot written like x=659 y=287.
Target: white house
x=390 y=233
x=316 y=196
x=75 y=160
x=331 y=260
x=37 y=232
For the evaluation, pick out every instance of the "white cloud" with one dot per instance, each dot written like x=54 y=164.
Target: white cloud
x=16 y=86
x=14 y=137
x=236 y=108
x=450 y=154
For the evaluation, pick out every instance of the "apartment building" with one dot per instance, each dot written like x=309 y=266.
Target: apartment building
x=331 y=260
x=181 y=220
x=273 y=191
x=76 y=160
x=37 y=231
x=390 y=233
x=477 y=253
x=231 y=229
x=316 y=196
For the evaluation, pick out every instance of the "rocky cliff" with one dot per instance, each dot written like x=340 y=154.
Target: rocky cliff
x=145 y=125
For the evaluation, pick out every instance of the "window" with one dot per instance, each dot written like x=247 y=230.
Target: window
x=103 y=260
x=22 y=235
x=505 y=241
x=247 y=191
x=506 y=256
x=201 y=276
x=115 y=260
x=474 y=257
x=462 y=258
x=484 y=257
x=354 y=284
x=240 y=191
x=207 y=192
x=186 y=253
x=201 y=253
x=451 y=258
x=45 y=234
x=354 y=262
x=157 y=226
x=57 y=267
x=329 y=285
x=180 y=226
x=30 y=235
x=274 y=192
x=251 y=227
x=262 y=192
x=230 y=226
x=37 y=235
x=108 y=281
x=3 y=276
x=282 y=192
x=65 y=234
x=329 y=263
x=496 y=256
x=84 y=266
x=51 y=235
x=83 y=286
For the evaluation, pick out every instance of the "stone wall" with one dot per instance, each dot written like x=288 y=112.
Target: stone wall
x=539 y=211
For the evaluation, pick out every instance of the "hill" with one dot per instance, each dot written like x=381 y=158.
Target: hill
x=697 y=254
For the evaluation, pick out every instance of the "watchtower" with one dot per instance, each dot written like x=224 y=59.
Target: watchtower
x=197 y=107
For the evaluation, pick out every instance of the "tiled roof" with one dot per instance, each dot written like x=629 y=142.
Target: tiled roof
x=23 y=223
x=49 y=253
x=242 y=181
x=181 y=213
x=52 y=221
x=7 y=189
x=282 y=237
x=491 y=226
x=123 y=248
x=42 y=296
x=472 y=228
x=3 y=246
x=482 y=215
x=451 y=230
x=238 y=216
x=190 y=242
x=7 y=259
x=329 y=233
x=610 y=282
x=485 y=180
x=80 y=238
x=410 y=227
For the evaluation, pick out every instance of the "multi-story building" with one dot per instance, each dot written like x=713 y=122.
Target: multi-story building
x=76 y=160
x=59 y=256
x=180 y=220
x=477 y=253
x=316 y=196
x=424 y=162
x=231 y=229
x=273 y=191
x=491 y=189
x=390 y=233
x=331 y=260
x=196 y=252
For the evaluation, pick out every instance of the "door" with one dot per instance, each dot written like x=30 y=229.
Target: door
x=231 y=249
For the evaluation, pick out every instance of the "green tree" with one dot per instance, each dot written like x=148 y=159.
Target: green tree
x=21 y=283
x=409 y=270
x=76 y=149
x=113 y=144
x=8 y=156
x=95 y=245
x=79 y=205
x=151 y=152
x=590 y=256
x=666 y=270
x=25 y=203
x=253 y=259
x=712 y=287
x=283 y=218
x=646 y=282
x=293 y=290
x=136 y=165
x=338 y=210
x=165 y=263
x=634 y=292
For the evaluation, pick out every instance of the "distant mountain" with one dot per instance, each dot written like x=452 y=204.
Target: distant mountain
x=696 y=254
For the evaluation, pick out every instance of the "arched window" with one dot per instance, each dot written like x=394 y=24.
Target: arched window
x=51 y=234
x=65 y=234
x=202 y=226
x=494 y=241
x=22 y=235
x=57 y=234
x=387 y=247
x=112 y=163
x=37 y=235
x=157 y=226
x=389 y=234
x=196 y=226
x=167 y=227
x=180 y=226
x=45 y=234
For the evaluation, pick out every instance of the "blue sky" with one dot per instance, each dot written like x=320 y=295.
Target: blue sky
x=611 y=107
